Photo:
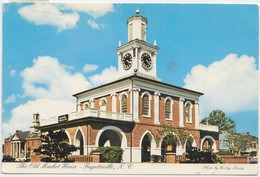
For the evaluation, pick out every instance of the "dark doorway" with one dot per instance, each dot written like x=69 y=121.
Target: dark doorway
x=168 y=140
x=109 y=138
x=188 y=145
x=79 y=143
x=146 y=149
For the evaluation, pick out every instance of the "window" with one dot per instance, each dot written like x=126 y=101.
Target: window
x=188 y=112
x=103 y=104
x=168 y=109
x=86 y=106
x=124 y=104
x=146 y=105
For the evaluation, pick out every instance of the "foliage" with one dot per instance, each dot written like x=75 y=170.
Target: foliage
x=205 y=156
x=171 y=135
x=55 y=147
x=239 y=141
x=218 y=118
x=112 y=154
x=222 y=152
x=156 y=158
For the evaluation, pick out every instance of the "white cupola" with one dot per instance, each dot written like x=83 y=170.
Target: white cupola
x=137 y=56
x=137 y=27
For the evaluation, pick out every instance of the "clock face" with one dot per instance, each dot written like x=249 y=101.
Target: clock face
x=127 y=61
x=146 y=61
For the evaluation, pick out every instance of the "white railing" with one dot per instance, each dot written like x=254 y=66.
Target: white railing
x=211 y=128
x=90 y=113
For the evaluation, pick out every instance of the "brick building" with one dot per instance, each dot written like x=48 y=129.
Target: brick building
x=128 y=111
x=22 y=143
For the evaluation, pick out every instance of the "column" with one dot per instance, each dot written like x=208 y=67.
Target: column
x=113 y=95
x=196 y=114
x=136 y=104
x=19 y=149
x=92 y=103
x=15 y=150
x=181 y=100
x=131 y=100
x=156 y=107
x=11 y=149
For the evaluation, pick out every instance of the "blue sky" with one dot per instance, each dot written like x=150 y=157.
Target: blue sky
x=48 y=57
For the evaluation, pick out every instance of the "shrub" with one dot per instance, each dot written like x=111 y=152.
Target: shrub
x=112 y=154
x=205 y=156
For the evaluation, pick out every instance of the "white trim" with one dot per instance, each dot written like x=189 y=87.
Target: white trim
x=156 y=107
x=116 y=130
x=81 y=131
x=181 y=118
x=68 y=135
x=146 y=92
x=151 y=138
x=194 y=144
x=121 y=94
x=211 y=138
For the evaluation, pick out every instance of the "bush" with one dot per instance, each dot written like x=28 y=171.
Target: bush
x=223 y=152
x=206 y=156
x=8 y=158
x=112 y=154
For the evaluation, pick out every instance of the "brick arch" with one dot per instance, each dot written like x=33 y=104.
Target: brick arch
x=68 y=135
x=82 y=133
x=116 y=130
x=151 y=137
x=208 y=137
x=194 y=144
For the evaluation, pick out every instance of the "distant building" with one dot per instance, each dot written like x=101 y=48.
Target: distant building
x=225 y=145
x=22 y=143
x=252 y=149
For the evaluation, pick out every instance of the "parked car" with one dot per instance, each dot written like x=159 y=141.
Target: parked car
x=253 y=159
x=7 y=158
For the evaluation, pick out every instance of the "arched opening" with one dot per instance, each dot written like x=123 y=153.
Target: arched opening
x=168 y=145
x=110 y=138
x=207 y=144
x=189 y=144
x=146 y=149
x=79 y=143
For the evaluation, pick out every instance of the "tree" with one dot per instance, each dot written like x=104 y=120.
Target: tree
x=55 y=147
x=218 y=118
x=167 y=131
x=239 y=141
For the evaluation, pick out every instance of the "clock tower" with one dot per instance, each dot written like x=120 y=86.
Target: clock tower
x=137 y=56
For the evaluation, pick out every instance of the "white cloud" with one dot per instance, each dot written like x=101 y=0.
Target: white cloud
x=48 y=14
x=95 y=25
x=230 y=84
x=10 y=99
x=94 y=9
x=90 y=68
x=63 y=16
x=50 y=85
x=47 y=78
x=104 y=77
x=22 y=115
x=12 y=72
